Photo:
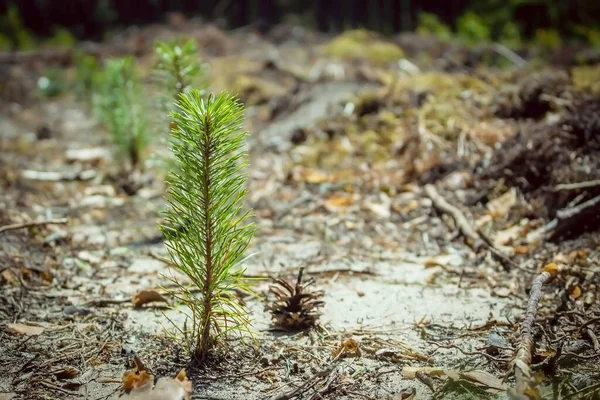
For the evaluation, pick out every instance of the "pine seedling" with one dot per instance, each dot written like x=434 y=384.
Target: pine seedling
x=206 y=196
x=177 y=66
x=119 y=105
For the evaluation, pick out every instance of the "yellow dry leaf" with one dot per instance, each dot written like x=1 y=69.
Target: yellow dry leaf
x=28 y=330
x=552 y=268
x=339 y=201
x=348 y=346
x=578 y=254
x=433 y=262
x=521 y=250
x=136 y=379
x=501 y=205
x=315 y=177
x=576 y=292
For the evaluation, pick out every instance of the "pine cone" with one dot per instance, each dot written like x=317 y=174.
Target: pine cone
x=294 y=308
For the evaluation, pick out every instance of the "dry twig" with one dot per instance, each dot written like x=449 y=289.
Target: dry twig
x=59 y=221
x=521 y=363
x=459 y=218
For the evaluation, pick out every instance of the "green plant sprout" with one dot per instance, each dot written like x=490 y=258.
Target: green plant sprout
x=206 y=196
x=86 y=74
x=176 y=66
x=119 y=105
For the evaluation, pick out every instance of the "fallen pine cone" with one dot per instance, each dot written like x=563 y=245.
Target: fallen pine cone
x=294 y=308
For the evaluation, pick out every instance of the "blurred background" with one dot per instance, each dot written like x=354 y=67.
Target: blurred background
x=512 y=20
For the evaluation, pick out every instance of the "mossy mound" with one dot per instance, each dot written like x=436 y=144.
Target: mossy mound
x=363 y=45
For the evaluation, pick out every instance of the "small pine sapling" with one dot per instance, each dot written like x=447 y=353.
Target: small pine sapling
x=119 y=105
x=177 y=66
x=206 y=193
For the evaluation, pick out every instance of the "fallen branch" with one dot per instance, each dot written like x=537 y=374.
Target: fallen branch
x=461 y=221
x=60 y=221
x=509 y=55
x=52 y=176
x=521 y=363
x=577 y=185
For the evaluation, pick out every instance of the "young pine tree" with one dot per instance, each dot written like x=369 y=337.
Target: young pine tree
x=176 y=66
x=119 y=104
x=206 y=195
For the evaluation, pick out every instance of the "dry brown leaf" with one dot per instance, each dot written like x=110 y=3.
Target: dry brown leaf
x=137 y=377
x=147 y=296
x=433 y=262
x=502 y=204
x=339 y=201
x=506 y=236
x=579 y=254
x=348 y=346
x=9 y=276
x=521 y=250
x=28 y=330
x=179 y=388
x=66 y=372
x=576 y=292
x=484 y=378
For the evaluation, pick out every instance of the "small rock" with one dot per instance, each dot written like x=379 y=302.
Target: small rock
x=298 y=136
x=43 y=133
x=74 y=310
x=89 y=154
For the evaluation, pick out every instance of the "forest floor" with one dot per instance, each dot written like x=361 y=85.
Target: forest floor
x=423 y=196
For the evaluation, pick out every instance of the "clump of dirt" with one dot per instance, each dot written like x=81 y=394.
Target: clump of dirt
x=543 y=156
x=534 y=96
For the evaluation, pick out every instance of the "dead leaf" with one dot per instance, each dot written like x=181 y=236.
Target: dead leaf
x=521 y=250
x=147 y=296
x=339 y=201
x=348 y=346
x=9 y=276
x=501 y=205
x=506 y=236
x=66 y=372
x=484 y=378
x=433 y=262
x=28 y=330
x=576 y=292
x=179 y=388
x=381 y=208
x=137 y=377
x=407 y=394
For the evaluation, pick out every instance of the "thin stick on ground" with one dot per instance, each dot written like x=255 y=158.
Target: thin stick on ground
x=311 y=382
x=59 y=221
x=521 y=363
x=578 y=185
x=459 y=218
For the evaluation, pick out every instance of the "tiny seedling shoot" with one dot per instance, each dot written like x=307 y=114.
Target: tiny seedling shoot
x=177 y=65
x=205 y=201
x=119 y=104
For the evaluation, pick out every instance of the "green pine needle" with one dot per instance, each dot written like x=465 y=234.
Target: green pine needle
x=206 y=197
